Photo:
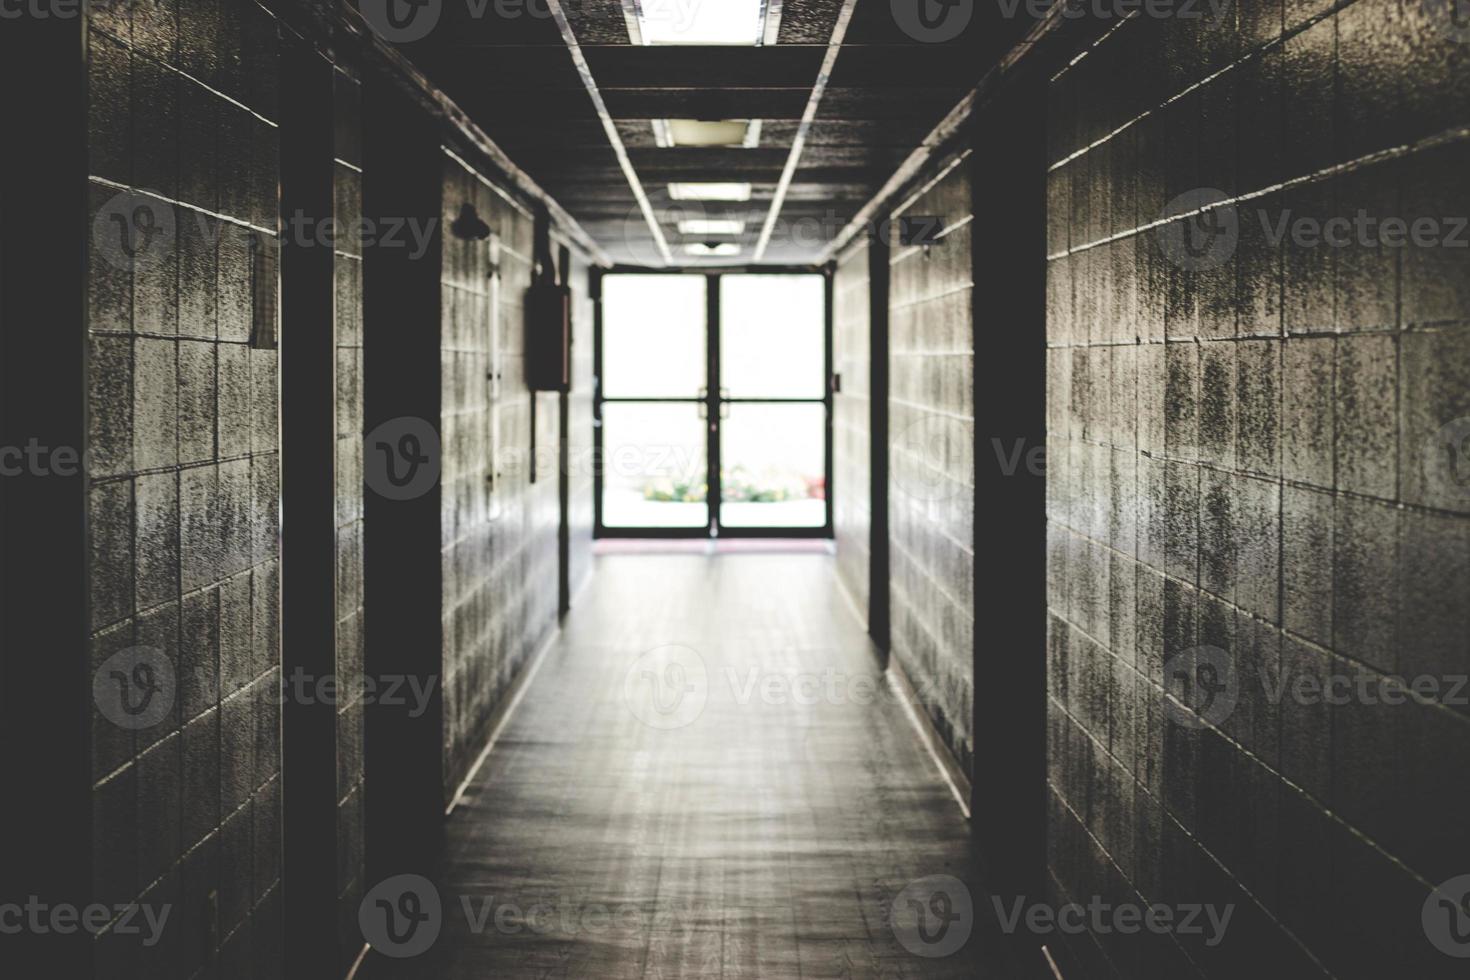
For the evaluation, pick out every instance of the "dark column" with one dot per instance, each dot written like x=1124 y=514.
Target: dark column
x=403 y=180
x=878 y=561
x=308 y=508
x=1009 y=802
x=45 y=675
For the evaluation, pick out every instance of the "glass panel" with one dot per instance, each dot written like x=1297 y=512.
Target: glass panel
x=774 y=466
x=771 y=336
x=653 y=466
x=653 y=336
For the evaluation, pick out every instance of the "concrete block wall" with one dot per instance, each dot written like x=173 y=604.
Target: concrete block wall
x=851 y=425
x=351 y=617
x=182 y=462
x=499 y=539
x=932 y=471
x=1243 y=457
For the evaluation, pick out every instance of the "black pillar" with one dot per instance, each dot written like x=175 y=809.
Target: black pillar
x=45 y=675
x=308 y=509
x=404 y=755
x=1008 y=170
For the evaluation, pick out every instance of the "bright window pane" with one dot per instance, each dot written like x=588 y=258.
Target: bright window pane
x=653 y=466
x=653 y=336
x=774 y=466
x=771 y=336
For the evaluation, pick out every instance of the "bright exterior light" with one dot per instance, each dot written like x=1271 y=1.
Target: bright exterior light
x=707 y=22
x=710 y=192
x=711 y=226
x=711 y=250
x=706 y=132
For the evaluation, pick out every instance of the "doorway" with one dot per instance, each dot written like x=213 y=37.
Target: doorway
x=713 y=405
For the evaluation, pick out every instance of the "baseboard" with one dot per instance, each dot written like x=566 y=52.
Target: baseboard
x=502 y=715
x=949 y=768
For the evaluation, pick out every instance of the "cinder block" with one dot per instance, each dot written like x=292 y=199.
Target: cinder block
x=1365 y=751
x=155 y=403
x=1367 y=294
x=1181 y=520
x=1431 y=742
x=237 y=881
x=1217 y=410
x=196 y=405
x=201 y=778
x=1258 y=406
x=1365 y=618
x=236 y=651
x=111 y=562
x=1307 y=563
x=1433 y=586
x=1307 y=419
x=160 y=807
x=237 y=750
x=1367 y=405
x=198 y=272
x=1308 y=264
x=1434 y=418
x=1306 y=719
x=1436 y=259
x=1257 y=512
x=267 y=831
x=199 y=639
x=110 y=398
x=1219 y=534
x=233 y=415
x=200 y=527
x=157 y=538
x=1181 y=400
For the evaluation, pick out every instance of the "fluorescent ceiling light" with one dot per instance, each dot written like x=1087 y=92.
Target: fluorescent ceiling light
x=711 y=226
x=706 y=132
x=709 y=192
x=712 y=249
x=701 y=21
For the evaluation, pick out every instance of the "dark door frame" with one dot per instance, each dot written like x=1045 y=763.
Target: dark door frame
x=712 y=402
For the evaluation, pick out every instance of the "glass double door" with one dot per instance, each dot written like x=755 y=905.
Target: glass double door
x=713 y=406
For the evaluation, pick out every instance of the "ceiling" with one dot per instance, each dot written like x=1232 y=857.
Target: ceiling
x=509 y=66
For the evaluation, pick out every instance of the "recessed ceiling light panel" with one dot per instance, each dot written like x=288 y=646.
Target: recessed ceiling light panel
x=703 y=132
x=736 y=22
x=709 y=192
x=711 y=226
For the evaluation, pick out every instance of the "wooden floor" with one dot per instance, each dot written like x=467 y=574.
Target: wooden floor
x=649 y=812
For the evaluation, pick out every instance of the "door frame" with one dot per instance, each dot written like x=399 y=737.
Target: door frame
x=712 y=401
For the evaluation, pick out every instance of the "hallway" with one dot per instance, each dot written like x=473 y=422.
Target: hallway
x=659 y=489
x=755 y=817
